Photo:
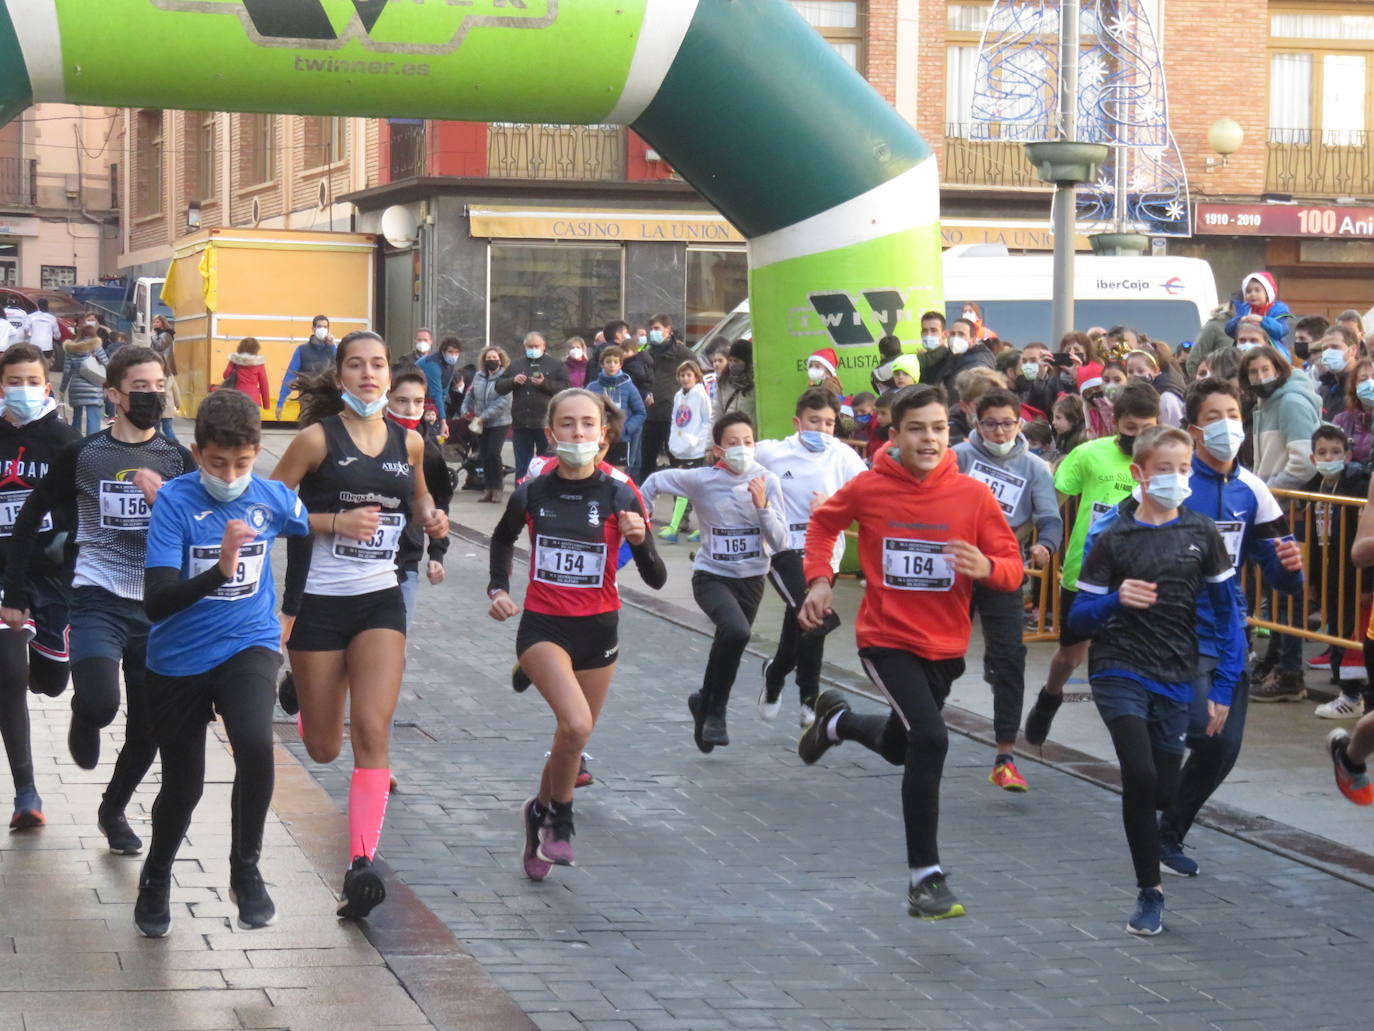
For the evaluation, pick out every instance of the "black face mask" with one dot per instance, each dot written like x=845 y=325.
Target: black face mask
x=491 y=365
x=1263 y=390
x=145 y=408
x=1302 y=348
x=1125 y=443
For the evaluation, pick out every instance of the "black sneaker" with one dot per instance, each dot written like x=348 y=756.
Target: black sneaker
x=153 y=910
x=1040 y=717
x=121 y=837
x=83 y=741
x=286 y=694
x=519 y=679
x=815 y=741
x=698 y=710
x=256 y=908
x=713 y=730
x=829 y=623
x=363 y=890
x=932 y=899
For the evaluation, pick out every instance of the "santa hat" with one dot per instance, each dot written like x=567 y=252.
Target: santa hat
x=826 y=356
x=1088 y=376
x=1265 y=280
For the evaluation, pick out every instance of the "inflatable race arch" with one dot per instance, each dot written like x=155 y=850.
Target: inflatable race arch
x=837 y=195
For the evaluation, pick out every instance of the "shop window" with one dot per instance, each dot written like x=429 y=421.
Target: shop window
x=716 y=282
x=557 y=290
x=56 y=277
x=840 y=23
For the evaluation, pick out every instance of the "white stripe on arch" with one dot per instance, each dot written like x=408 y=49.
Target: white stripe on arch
x=911 y=199
x=660 y=37
x=35 y=23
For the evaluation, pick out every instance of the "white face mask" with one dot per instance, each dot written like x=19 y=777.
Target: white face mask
x=1000 y=450
x=225 y=492
x=815 y=373
x=321 y=332
x=958 y=345
x=422 y=346
x=1031 y=370
x=1223 y=438
x=1169 y=490
x=575 y=353
x=578 y=452
x=739 y=458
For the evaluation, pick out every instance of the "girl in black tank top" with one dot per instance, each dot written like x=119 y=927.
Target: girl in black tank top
x=360 y=477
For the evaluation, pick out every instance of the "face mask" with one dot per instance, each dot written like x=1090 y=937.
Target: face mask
x=422 y=346
x=1125 y=443
x=575 y=354
x=640 y=341
x=814 y=374
x=655 y=336
x=321 y=332
x=970 y=314
x=578 y=453
x=737 y=368
x=93 y=324
x=1263 y=388
x=225 y=492
x=491 y=365
x=739 y=458
x=364 y=408
x=863 y=420
x=401 y=420
x=1334 y=360
x=1169 y=489
x=145 y=408
x=533 y=353
x=1111 y=391
x=1223 y=438
x=1000 y=450
x=450 y=359
x=1330 y=470
x=27 y=402
x=1248 y=345
x=814 y=440
x=958 y=345
x=1364 y=390
x=1302 y=348
x=930 y=343
x=1031 y=370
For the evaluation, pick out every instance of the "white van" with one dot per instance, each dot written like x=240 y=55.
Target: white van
x=1167 y=298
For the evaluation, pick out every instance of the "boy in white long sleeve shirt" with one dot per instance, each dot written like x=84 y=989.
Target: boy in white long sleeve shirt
x=739 y=506
x=688 y=439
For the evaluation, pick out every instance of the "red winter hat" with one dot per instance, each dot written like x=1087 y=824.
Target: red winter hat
x=1089 y=376
x=826 y=356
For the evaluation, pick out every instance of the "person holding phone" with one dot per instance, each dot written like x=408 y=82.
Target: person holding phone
x=532 y=380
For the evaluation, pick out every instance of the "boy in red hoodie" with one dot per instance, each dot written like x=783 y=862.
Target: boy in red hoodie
x=936 y=532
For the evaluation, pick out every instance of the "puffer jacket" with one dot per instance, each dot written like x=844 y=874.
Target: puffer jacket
x=76 y=388
x=483 y=402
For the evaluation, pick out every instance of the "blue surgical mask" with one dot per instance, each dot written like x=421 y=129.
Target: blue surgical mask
x=1330 y=470
x=25 y=402
x=814 y=440
x=533 y=352
x=1169 y=490
x=1364 y=390
x=1334 y=360
x=930 y=343
x=655 y=336
x=864 y=420
x=225 y=492
x=1223 y=438
x=1031 y=370
x=367 y=409
x=1247 y=345
x=450 y=359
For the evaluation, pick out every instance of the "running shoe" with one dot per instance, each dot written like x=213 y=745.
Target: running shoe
x=1320 y=661
x=1148 y=917
x=694 y=537
x=28 y=809
x=286 y=694
x=519 y=679
x=1342 y=707
x=698 y=710
x=1172 y=859
x=584 y=775
x=806 y=716
x=668 y=535
x=1040 y=717
x=121 y=837
x=815 y=741
x=1007 y=777
x=535 y=868
x=933 y=900
x=770 y=694
x=1352 y=782
x=83 y=741
x=713 y=730
x=256 y=908
x=555 y=841
x=153 y=910
x=363 y=890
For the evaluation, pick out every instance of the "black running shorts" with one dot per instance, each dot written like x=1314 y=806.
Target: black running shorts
x=592 y=642
x=327 y=623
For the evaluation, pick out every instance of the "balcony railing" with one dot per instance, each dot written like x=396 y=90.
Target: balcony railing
x=984 y=162
x=407 y=151
x=19 y=181
x=1335 y=163
x=586 y=152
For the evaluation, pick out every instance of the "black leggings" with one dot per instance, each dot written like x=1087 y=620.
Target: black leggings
x=731 y=603
x=913 y=735
x=795 y=651
x=22 y=670
x=242 y=689
x=1149 y=778
x=95 y=697
x=493 y=469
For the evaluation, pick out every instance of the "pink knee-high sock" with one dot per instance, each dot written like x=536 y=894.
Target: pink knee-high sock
x=367 y=797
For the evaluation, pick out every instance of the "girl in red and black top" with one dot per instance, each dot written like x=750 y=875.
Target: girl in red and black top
x=567 y=642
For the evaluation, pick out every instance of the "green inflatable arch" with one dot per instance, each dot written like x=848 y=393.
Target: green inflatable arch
x=836 y=193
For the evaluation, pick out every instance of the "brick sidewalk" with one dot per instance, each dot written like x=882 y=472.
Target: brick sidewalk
x=75 y=960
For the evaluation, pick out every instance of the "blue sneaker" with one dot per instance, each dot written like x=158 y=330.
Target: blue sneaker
x=1172 y=859
x=1148 y=917
x=28 y=810
x=667 y=536
x=694 y=537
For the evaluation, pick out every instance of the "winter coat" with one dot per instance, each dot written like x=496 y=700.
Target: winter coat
x=731 y=397
x=438 y=379
x=1212 y=337
x=247 y=373
x=622 y=390
x=309 y=359
x=483 y=402
x=1359 y=427
x=1282 y=432
x=76 y=388
x=976 y=356
x=530 y=401
x=171 y=398
x=577 y=372
x=666 y=357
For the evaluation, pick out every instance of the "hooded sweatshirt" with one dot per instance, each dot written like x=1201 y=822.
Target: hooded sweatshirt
x=621 y=389
x=1022 y=484
x=1282 y=433
x=914 y=601
x=738 y=539
x=27 y=453
x=804 y=474
x=247 y=373
x=690 y=435
x=1274 y=315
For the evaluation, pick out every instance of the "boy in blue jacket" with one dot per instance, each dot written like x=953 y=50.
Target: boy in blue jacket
x=620 y=388
x=1260 y=296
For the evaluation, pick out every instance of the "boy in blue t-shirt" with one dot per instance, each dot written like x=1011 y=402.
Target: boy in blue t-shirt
x=213 y=647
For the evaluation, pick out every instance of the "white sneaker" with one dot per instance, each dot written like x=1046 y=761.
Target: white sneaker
x=768 y=710
x=806 y=716
x=1340 y=708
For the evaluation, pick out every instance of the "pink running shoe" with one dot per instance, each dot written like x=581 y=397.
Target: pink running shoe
x=536 y=869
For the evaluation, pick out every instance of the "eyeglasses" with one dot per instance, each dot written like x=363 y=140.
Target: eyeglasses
x=1004 y=425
